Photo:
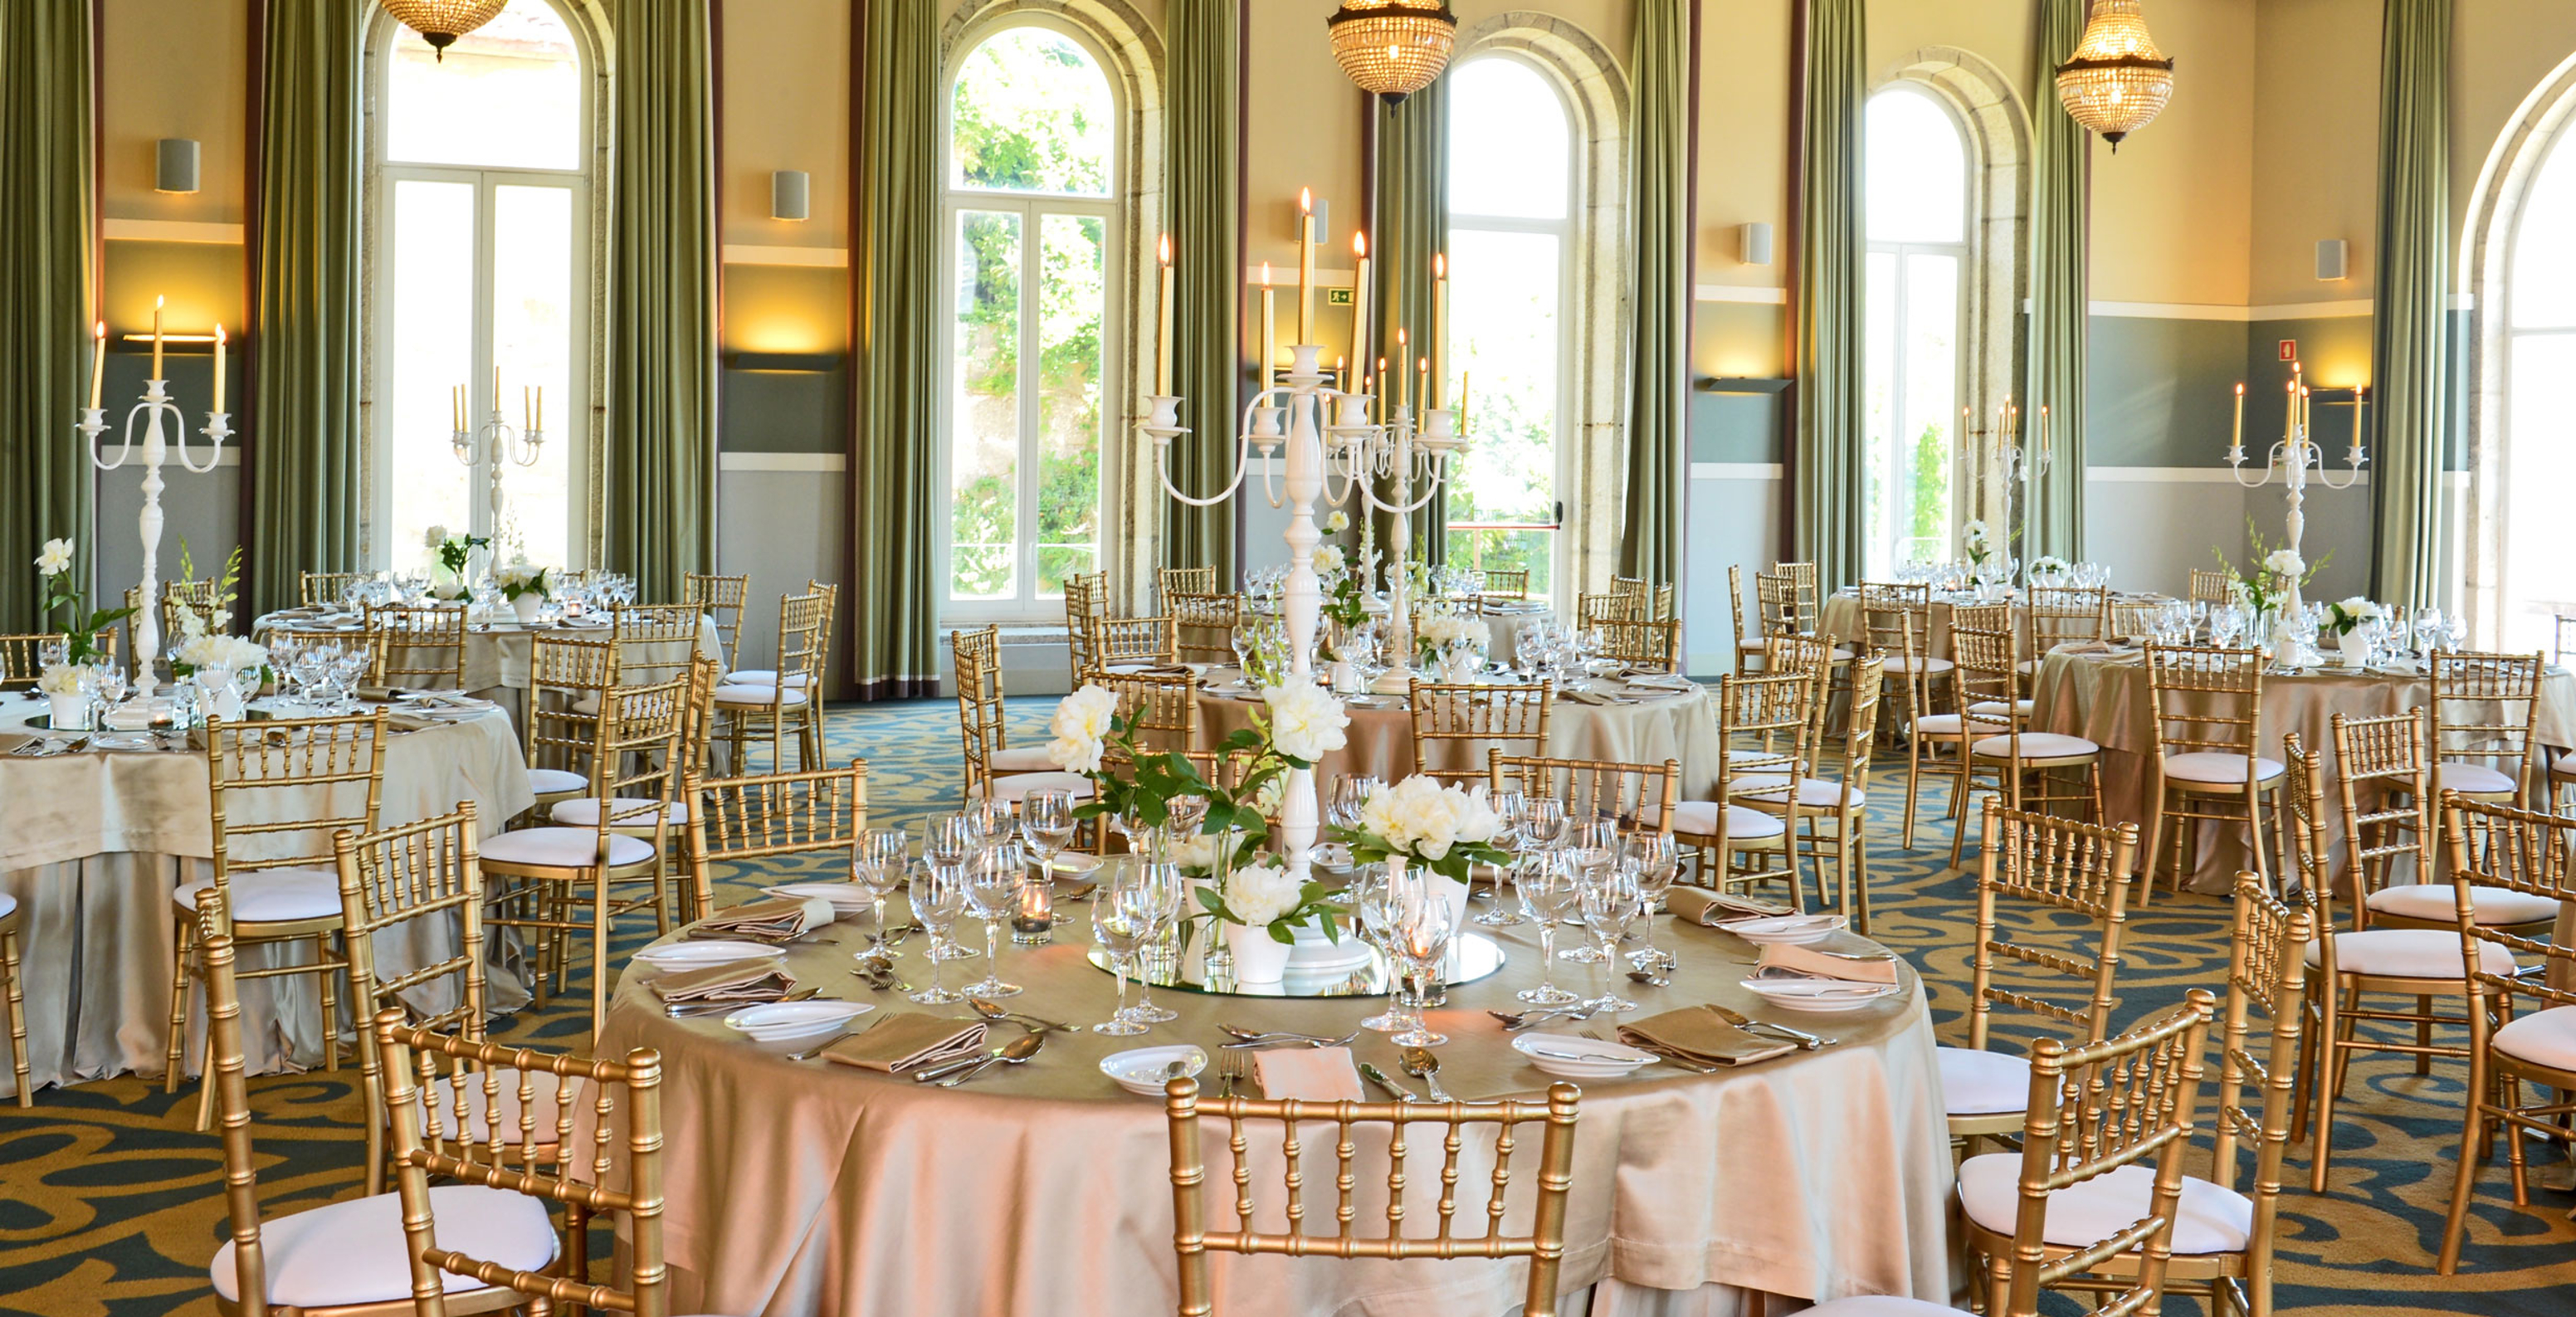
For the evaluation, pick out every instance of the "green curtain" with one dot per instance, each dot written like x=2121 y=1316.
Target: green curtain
x=1204 y=187
x=894 y=502
x=2406 y=348
x=1659 y=384
x=661 y=394
x=44 y=292
x=1410 y=226
x=2060 y=293
x=302 y=453
x=1827 y=467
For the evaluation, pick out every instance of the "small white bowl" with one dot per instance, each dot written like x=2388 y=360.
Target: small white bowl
x=1821 y=996
x=784 y=1021
x=1142 y=1071
x=1572 y=1056
x=1791 y=929
x=699 y=955
x=846 y=898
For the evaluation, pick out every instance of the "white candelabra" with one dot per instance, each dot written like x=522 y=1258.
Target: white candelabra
x=499 y=445
x=156 y=452
x=1395 y=453
x=2016 y=467
x=2290 y=459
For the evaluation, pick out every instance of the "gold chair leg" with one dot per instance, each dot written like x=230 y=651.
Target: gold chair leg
x=599 y=927
x=173 y=1062
x=17 y=1015
x=2472 y=1121
x=330 y=1005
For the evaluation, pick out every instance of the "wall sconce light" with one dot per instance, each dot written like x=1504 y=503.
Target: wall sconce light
x=2330 y=259
x=175 y=169
x=790 y=193
x=1754 y=242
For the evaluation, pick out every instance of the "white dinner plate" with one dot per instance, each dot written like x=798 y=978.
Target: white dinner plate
x=1796 y=930
x=1572 y=1056
x=783 y=1021
x=1141 y=1071
x=1821 y=996
x=846 y=898
x=699 y=955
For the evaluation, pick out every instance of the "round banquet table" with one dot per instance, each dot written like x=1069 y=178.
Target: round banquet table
x=1845 y=621
x=817 y=1188
x=497 y=652
x=98 y=840
x=2099 y=692
x=1503 y=621
x=1602 y=719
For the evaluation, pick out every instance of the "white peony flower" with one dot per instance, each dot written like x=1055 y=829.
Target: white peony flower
x=435 y=538
x=1196 y=851
x=1328 y=559
x=1975 y=533
x=1306 y=722
x=2285 y=564
x=1081 y=726
x=1421 y=817
x=60 y=679
x=219 y=651
x=1338 y=522
x=56 y=559
x=1262 y=893
x=2361 y=609
x=1444 y=628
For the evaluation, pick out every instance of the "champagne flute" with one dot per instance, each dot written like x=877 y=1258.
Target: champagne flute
x=937 y=899
x=992 y=889
x=1549 y=890
x=878 y=863
x=1120 y=923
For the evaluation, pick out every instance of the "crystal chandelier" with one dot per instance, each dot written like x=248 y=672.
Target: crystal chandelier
x=1393 y=47
x=2116 y=82
x=441 y=22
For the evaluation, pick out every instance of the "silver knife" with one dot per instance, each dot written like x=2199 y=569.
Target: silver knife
x=1378 y=1077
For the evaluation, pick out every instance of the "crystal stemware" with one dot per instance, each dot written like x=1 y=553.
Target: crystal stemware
x=1373 y=900
x=953 y=839
x=1424 y=924
x=1163 y=890
x=1610 y=906
x=1047 y=825
x=877 y=863
x=1508 y=806
x=1653 y=860
x=1121 y=921
x=938 y=897
x=1549 y=891
x=1591 y=860
x=992 y=893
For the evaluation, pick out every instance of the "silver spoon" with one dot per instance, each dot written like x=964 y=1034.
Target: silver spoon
x=992 y=1012
x=1421 y=1064
x=1014 y=1052
x=1650 y=978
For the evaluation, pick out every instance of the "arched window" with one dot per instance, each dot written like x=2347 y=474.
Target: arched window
x=1032 y=214
x=482 y=278
x=1917 y=226
x=1512 y=227
x=2538 y=464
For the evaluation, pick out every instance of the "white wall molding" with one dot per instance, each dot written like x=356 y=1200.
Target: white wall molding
x=1740 y=293
x=139 y=230
x=2231 y=314
x=1736 y=470
x=810 y=462
x=2219 y=475
x=820 y=257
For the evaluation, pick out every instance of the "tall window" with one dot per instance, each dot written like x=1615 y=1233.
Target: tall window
x=2539 y=459
x=1030 y=212
x=1511 y=225
x=1918 y=247
x=481 y=216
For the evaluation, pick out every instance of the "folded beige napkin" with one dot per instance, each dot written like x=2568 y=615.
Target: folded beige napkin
x=909 y=1041
x=413 y=722
x=773 y=917
x=743 y=981
x=1807 y=962
x=1316 y=1074
x=1696 y=1033
x=1581 y=696
x=1702 y=906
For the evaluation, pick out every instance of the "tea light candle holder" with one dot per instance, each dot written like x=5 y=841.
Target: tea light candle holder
x=1033 y=923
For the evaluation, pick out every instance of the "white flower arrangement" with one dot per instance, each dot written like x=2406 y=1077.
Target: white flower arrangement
x=1978 y=540
x=2284 y=564
x=217 y=650
x=2347 y=614
x=1328 y=559
x=2048 y=565
x=1337 y=523
x=435 y=538
x=1197 y=852
x=1423 y=819
x=1306 y=722
x=1263 y=894
x=1442 y=629
x=519 y=576
x=61 y=678
x=56 y=558
x=1081 y=728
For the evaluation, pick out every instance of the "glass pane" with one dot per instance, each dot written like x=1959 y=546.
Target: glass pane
x=508 y=93
x=1073 y=300
x=1510 y=151
x=2544 y=262
x=1505 y=339
x=430 y=316
x=1917 y=171
x=2540 y=467
x=1920 y=457
x=984 y=409
x=1879 y=404
x=532 y=319
x=1031 y=113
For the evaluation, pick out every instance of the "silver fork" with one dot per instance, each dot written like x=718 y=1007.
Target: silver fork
x=1230 y=1068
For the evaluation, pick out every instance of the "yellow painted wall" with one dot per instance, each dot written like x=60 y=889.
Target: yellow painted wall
x=2173 y=211
x=786 y=106
x=173 y=68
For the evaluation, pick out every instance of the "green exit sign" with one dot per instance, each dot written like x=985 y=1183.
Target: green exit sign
x=1337 y=297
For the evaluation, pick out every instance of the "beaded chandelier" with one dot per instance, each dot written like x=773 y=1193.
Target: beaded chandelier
x=2116 y=82
x=1393 y=47
x=441 y=22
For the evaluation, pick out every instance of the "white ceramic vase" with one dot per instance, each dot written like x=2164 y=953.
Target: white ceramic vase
x=2354 y=648
x=526 y=605
x=68 y=713
x=1257 y=957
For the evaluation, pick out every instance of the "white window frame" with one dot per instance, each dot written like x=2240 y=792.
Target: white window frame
x=2511 y=606
x=1026 y=605
x=1964 y=252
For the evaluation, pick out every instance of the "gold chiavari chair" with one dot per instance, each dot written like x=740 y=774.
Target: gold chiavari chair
x=2503 y=848
x=2100 y=1115
x=422 y=645
x=658 y=641
x=1813 y=658
x=740 y=819
x=1505 y=585
x=1285 y=1124
x=1086 y=596
x=2345 y=967
x=2387 y=808
x=2207 y=704
x=567 y=679
x=1981 y=680
x=723 y=599
x=1204 y=625
x=1998 y=742
x=1603 y=609
x=335 y=1260
x=19 y=668
x=2049 y=867
x=2135 y=619
x=790 y=703
x=1162 y=710
x=596 y=1096
x=313 y=588
x=1171 y=581
x=1997 y=616
x=1762 y=726
x=2056 y=614
x=1895 y=634
x=416 y=874
x=1636 y=795
x=1833 y=804
x=1642 y=644
x=1748 y=629
x=14 y=982
x=1455 y=726
x=2484 y=707
x=982 y=722
x=1114 y=642
x=278 y=791
x=2212 y=585
x=1787 y=603
x=637 y=816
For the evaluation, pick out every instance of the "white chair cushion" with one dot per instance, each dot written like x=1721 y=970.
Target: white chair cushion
x=556 y=781
x=587 y=706
x=565 y=848
x=2037 y=745
x=1899 y=663
x=1023 y=759
x=542 y=1086
x=8 y=905
x=2548 y=1037
x=1698 y=818
x=1937 y=724
x=767 y=677
x=1752 y=645
x=1975 y=1083
x=2218 y=766
x=272 y=896
x=353 y=1252
x=584 y=813
x=2563 y=766
x=1018 y=785
x=2408 y=953
x=2494 y=905
x=1812 y=791
x=2211 y=1219
x=1881 y=1305
x=1997 y=706
x=756 y=697
x=2471 y=779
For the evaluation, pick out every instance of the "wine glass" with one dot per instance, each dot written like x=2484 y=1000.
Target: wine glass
x=938 y=897
x=1372 y=900
x=1162 y=892
x=1508 y=806
x=953 y=839
x=878 y=864
x=1047 y=826
x=1591 y=863
x=1654 y=861
x=1121 y=922
x=1549 y=891
x=1423 y=926
x=247 y=682
x=348 y=667
x=111 y=686
x=992 y=895
x=990 y=818
x=1610 y=905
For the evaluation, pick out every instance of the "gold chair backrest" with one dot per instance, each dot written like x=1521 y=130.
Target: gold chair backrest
x=980 y=717
x=1762 y=724
x=1114 y=640
x=638 y=743
x=1505 y=583
x=1642 y=643
x=1812 y=657
x=1251 y=1123
x=2266 y=975
x=2205 y=700
x=2518 y=850
x=1787 y=603
x=1860 y=721
x=1985 y=675
x=820 y=672
x=2212 y=585
x=1204 y=625
x=1633 y=794
x=415 y=872
x=1454 y=726
x=1603 y=609
x=723 y=598
x=2041 y=860
x=655 y=640
x=803 y=632
x=2383 y=781
x=325 y=587
x=1170 y=581
x=2135 y=618
x=1996 y=616
x=2059 y=613
x=1086 y=596
x=2310 y=876
x=423 y=645
x=1735 y=604
x=600 y=1096
x=1162 y=709
x=756 y=818
x=2484 y=706
x=282 y=788
x=563 y=675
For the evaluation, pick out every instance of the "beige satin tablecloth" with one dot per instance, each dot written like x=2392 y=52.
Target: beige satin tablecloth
x=1845 y=621
x=94 y=844
x=814 y=1188
x=497 y=654
x=2104 y=699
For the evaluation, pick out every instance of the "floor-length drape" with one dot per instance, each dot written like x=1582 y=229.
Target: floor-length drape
x=894 y=472
x=303 y=451
x=45 y=291
x=661 y=432
x=1202 y=123
x=1659 y=360
x=1826 y=468
x=1410 y=228
x=2060 y=255
x=2407 y=348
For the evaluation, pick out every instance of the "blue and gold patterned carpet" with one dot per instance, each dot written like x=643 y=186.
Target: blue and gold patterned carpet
x=109 y=1199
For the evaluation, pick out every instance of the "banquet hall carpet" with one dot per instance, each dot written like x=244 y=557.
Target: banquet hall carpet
x=110 y=1202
